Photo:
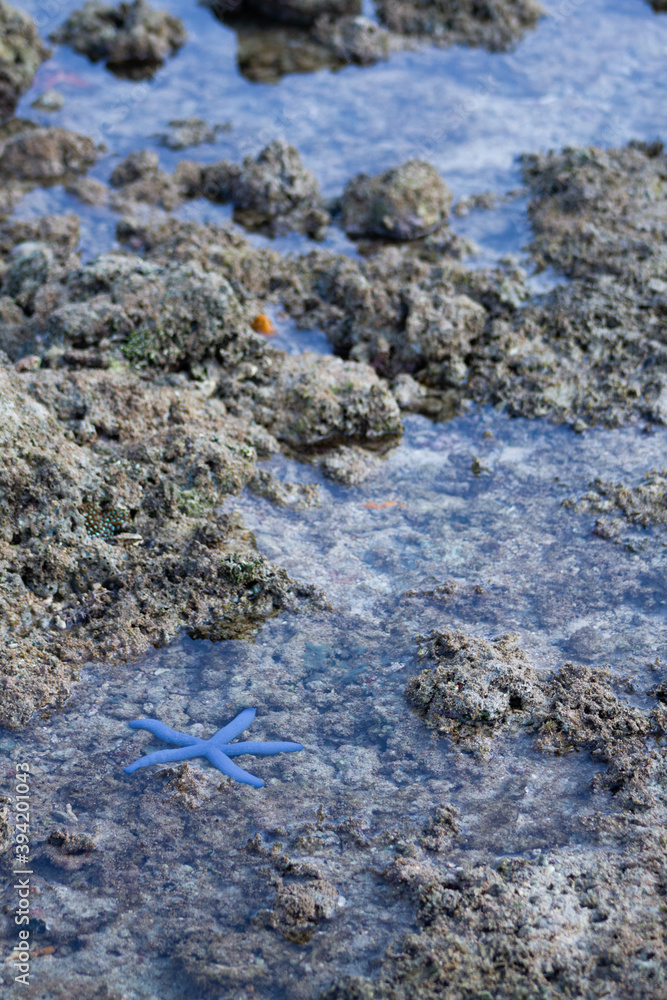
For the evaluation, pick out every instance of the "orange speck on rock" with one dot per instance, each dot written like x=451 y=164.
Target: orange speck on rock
x=262 y=324
x=48 y=950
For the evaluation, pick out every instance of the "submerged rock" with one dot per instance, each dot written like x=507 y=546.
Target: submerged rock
x=546 y=915
x=403 y=203
x=50 y=101
x=302 y=36
x=495 y=24
x=476 y=687
x=124 y=35
x=297 y=496
x=268 y=50
x=474 y=680
x=620 y=506
x=184 y=132
x=21 y=53
x=299 y=908
x=349 y=465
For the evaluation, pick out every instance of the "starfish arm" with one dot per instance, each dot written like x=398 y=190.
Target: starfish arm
x=233 y=728
x=234 y=749
x=224 y=764
x=158 y=728
x=163 y=756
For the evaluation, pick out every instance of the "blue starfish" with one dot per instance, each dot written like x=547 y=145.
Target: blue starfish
x=218 y=749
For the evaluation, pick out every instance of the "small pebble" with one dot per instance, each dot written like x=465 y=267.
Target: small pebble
x=50 y=100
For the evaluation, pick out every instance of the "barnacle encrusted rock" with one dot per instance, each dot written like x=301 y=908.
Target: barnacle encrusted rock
x=166 y=455
x=403 y=203
x=298 y=908
x=353 y=39
x=495 y=24
x=477 y=686
x=310 y=400
x=275 y=192
x=396 y=312
x=125 y=34
x=21 y=53
x=136 y=400
x=515 y=928
x=272 y=192
x=474 y=680
x=600 y=211
x=138 y=178
x=44 y=155
x=170 y=317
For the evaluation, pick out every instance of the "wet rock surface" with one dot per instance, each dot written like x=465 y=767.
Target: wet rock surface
x=127 y=35
x=478 y=685
x=21 y=53
x=403 y=203
x=272 y=192
x=527 y=908
x=275 y=192
x=91 y=545
x=496 y=25
x=103 y=526
x=332 y=877
x=302 y=36
x=30 y=156
x=475 y=681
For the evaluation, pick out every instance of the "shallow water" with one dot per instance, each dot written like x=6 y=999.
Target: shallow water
x=171 y=860
x=592 y=72
x=172 y=863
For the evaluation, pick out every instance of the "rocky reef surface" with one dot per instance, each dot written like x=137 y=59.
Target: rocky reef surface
x=21 y=53
x=472 y=816
x=143 y=388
